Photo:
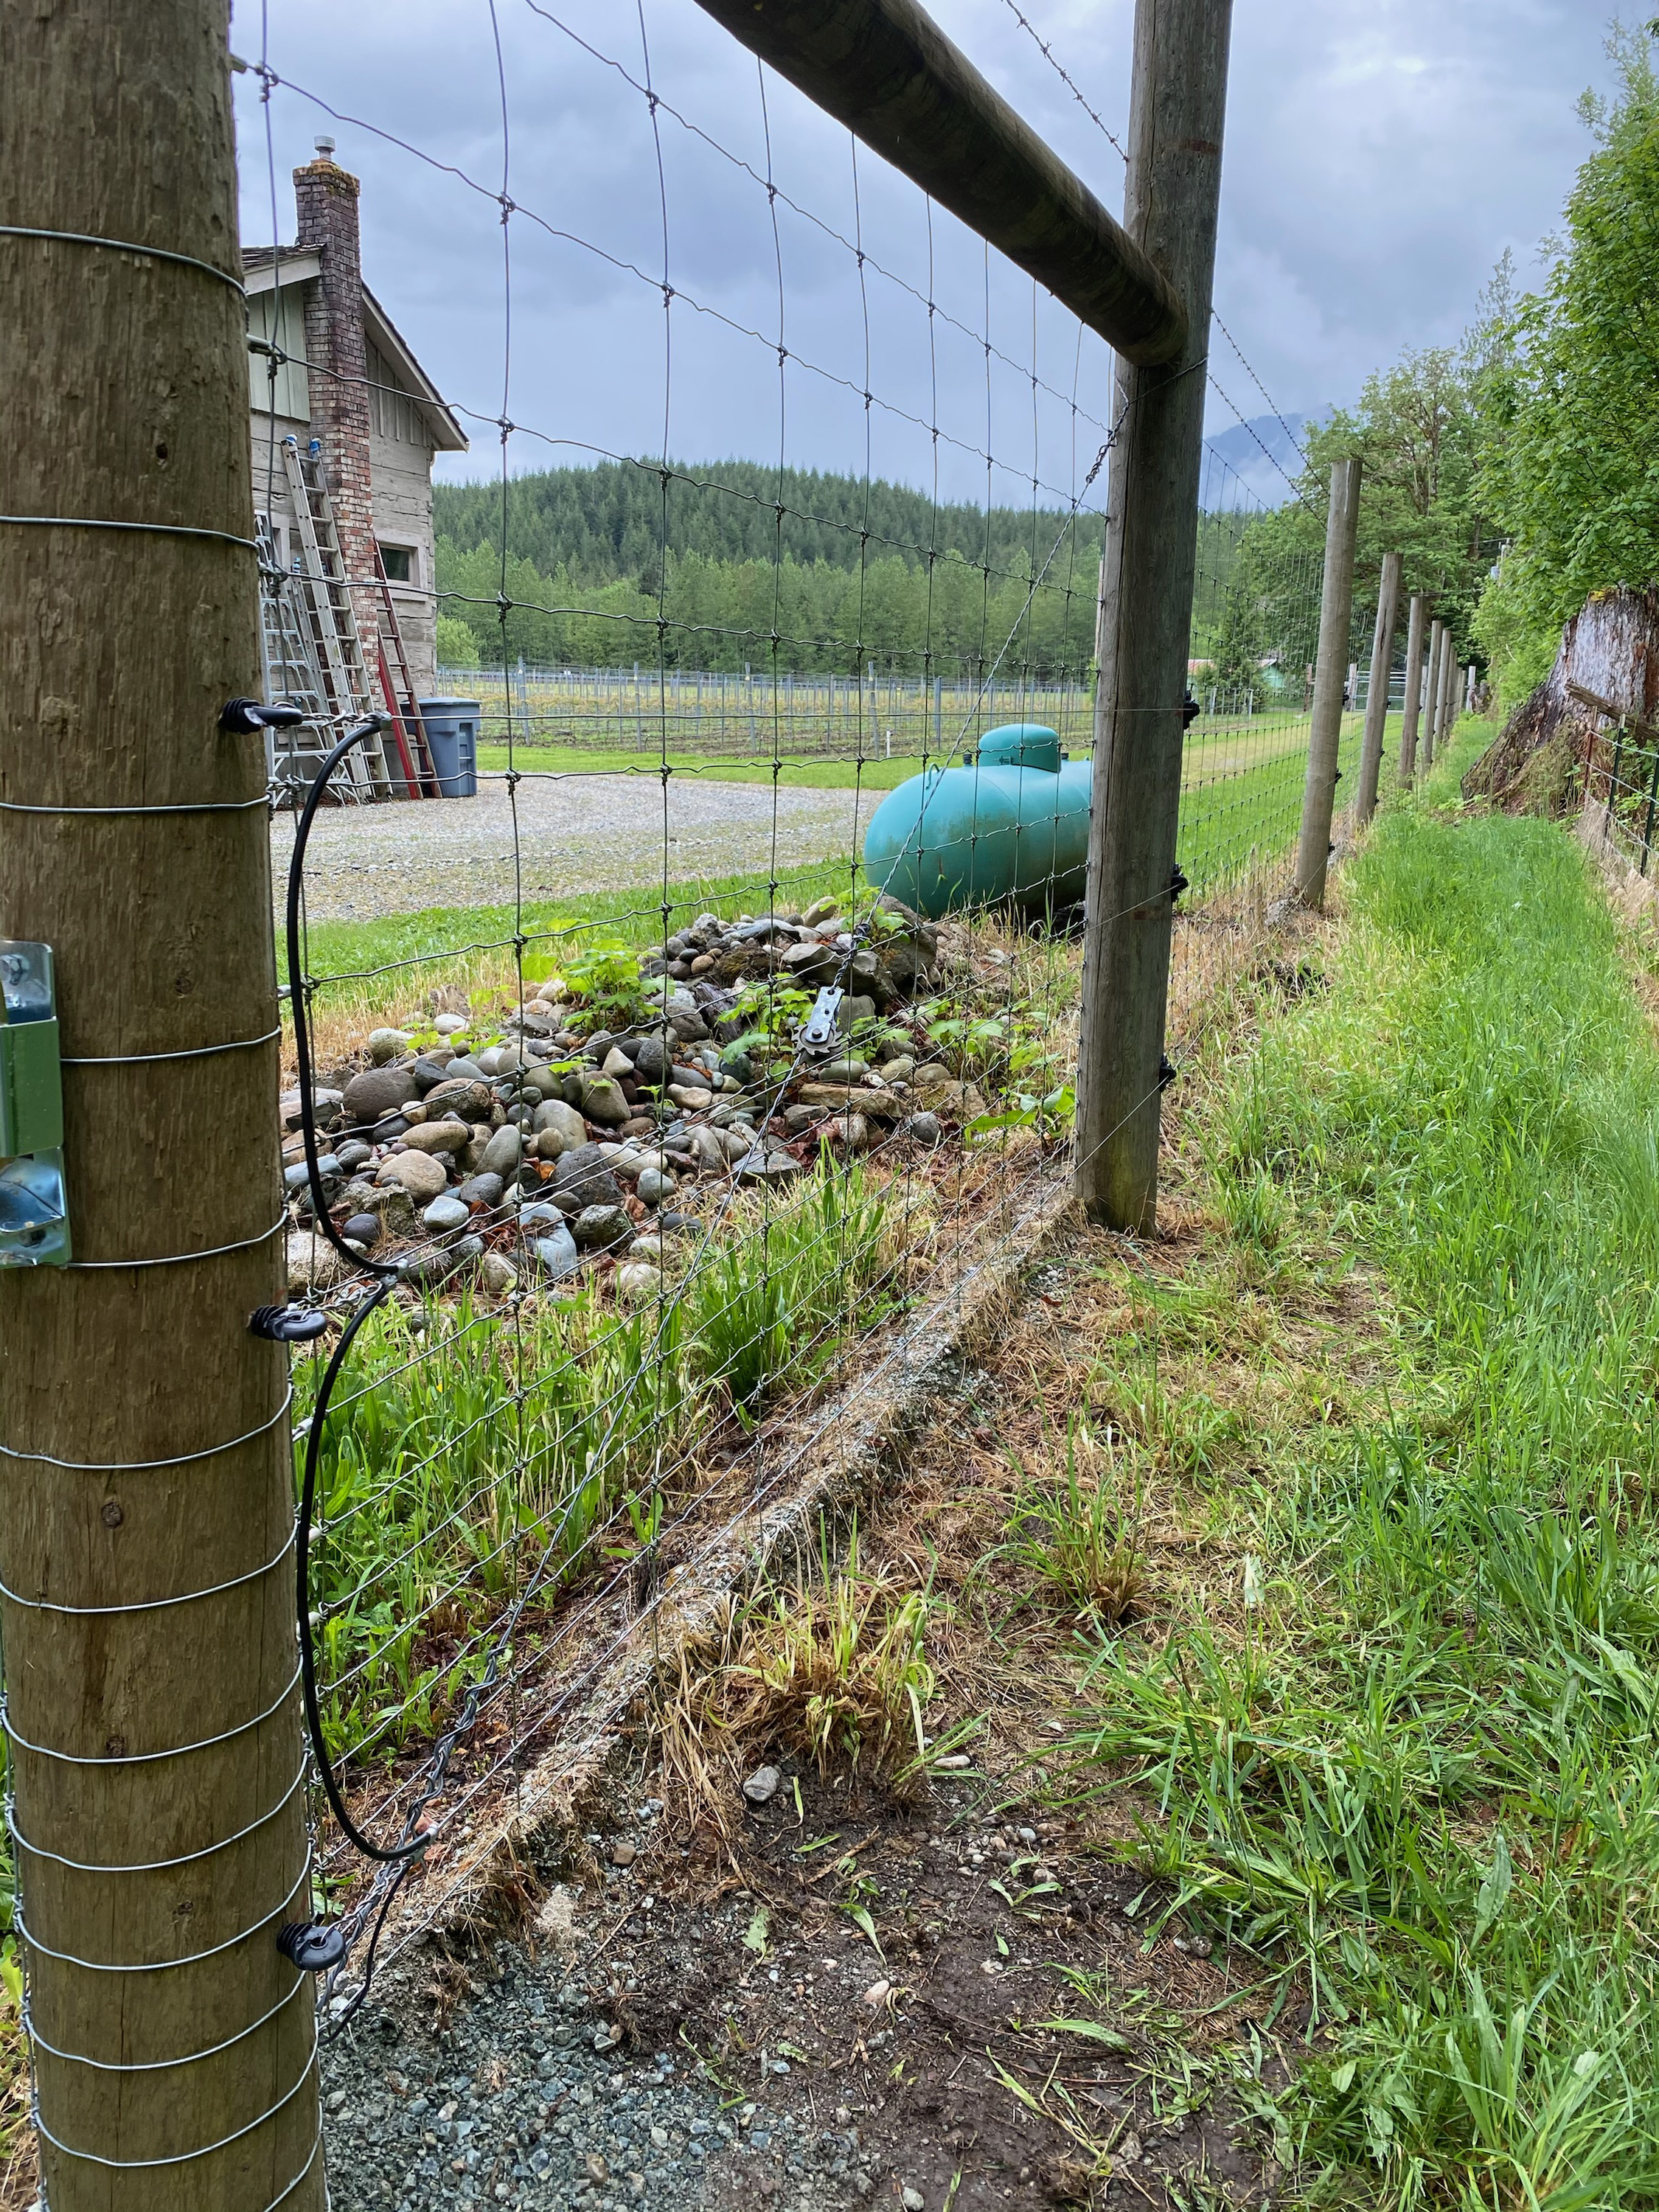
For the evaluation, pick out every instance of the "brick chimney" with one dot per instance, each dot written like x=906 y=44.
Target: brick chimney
x=326 y=201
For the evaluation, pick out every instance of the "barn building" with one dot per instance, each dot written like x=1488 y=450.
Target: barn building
x=350 y=381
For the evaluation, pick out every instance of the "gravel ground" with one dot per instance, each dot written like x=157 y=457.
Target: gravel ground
x=522 y=2099
x=576 y=834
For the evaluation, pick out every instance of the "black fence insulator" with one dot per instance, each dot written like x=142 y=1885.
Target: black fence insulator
x=1178 y=881
x=313 y=1946
x=242 y=718
x=1167 y=1071
x=1190 y=711
x=287 y=1324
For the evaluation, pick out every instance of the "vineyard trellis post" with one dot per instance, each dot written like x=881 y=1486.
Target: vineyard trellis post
x=1412 y=704
x=1376 y=695
x=1172 y=196
x=1325 y=729
x=148 y=1562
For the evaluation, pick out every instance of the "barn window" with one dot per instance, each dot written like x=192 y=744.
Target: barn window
x=399 y=563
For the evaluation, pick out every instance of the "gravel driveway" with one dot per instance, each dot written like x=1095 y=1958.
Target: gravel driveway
x=576 y=834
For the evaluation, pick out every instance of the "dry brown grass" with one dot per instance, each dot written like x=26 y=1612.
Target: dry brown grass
x=483 y=988
x=833 y=1672
x=20 y=2167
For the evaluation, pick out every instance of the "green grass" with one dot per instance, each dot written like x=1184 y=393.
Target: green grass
x=1208 y=747
x=464 y=1451
x=437 y=943
x=1241 y=806
x=1416 y=1771
x=878 y=774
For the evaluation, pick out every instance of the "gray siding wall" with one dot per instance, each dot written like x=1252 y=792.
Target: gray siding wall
x=400 y=491
x=400 y=475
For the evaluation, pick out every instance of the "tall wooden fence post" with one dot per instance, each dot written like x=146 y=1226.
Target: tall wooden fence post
x=146 y=1535
x=1325 y=731
x=1377 y=697
x=1449 y=673
x=1177 y=105
x=1417 y=621
x=1431 y=689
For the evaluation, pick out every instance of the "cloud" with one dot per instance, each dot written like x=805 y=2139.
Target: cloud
x=1379 y=157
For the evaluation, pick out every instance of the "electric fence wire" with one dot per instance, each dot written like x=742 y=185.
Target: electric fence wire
x=449 y=1656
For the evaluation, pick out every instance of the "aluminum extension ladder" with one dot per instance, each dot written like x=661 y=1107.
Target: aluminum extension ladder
x=325 y=599
x=290 y=675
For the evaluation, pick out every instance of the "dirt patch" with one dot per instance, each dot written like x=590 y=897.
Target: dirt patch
x=968 y=1992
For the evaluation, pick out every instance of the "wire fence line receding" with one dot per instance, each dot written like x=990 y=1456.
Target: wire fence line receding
x=599 y=1201
x=590 y=1198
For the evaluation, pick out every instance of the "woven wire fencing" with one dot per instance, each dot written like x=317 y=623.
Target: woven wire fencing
x=881 y=715
x=1612 y=773
x=1256 y=624
x=628 y=1203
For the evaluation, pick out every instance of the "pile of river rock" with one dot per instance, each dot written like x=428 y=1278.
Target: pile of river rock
x=551 y=1149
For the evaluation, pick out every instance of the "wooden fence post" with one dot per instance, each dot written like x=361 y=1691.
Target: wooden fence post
x=1325 y=733
x=1377 y=697
x=1416 y=623
x=1177 y=103
x=147 y=1535
x=1431 y=689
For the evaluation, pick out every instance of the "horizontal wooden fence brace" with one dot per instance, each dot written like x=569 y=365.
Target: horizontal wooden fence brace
x=885 y=70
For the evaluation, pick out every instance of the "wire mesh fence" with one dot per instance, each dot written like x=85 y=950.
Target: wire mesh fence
x=669 y=1074
x=716 y=714
x=621 y=1200
x=1612 y=774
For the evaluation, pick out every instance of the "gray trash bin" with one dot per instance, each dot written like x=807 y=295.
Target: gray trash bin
x=452 y=731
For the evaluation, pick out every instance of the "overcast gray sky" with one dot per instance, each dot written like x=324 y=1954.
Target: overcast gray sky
x=1380 y=155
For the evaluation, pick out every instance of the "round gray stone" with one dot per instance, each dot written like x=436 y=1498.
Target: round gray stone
x=602 y=1228
x=376 y=1093
x=464 y=1096
x=602 y=1100
x=428 y=1074
x=557 y=1254
x=503 y=1153
x=554 y=1117
x=582 y=1173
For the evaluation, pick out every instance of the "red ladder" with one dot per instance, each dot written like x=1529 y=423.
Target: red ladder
x=419 y=771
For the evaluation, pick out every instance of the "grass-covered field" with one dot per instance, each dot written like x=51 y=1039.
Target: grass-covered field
x=1240 y=804
x=1410 y=1766
x=445 y=1480
x=1228 y=747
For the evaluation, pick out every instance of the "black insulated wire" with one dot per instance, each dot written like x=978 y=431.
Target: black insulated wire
x=407 y=1847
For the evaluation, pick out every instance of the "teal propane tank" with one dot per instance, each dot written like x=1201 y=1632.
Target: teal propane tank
x=1013 y=826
